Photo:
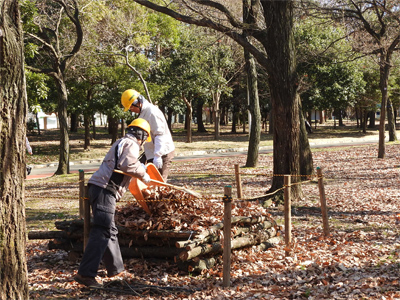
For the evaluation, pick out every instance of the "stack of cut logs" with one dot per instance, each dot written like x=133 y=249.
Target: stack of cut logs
x=189 y=232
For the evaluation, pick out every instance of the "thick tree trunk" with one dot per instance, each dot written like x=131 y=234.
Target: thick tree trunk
x=74 y=122
x=271 y=122
x=63 y=161
x=13 y=107
x=249 y=16
x=283 y=83
x=364 y=119
x=371 y=116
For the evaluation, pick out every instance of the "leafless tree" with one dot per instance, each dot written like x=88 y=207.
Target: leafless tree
x=56 y=52
x=374 y=28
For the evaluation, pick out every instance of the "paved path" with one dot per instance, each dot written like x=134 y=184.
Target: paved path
x=47 y=170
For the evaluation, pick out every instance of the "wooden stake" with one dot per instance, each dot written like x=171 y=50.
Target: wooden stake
x=238 y=182
x=322 y=198
x=86 y=218
x=81 y=193
x=288 y=214
x=227 y=236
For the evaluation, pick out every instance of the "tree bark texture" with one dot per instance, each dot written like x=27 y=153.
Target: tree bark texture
x=383 y=84
x=391 y=122
x=249 y=16
x=63 y=161
x=306 y=161
x=282 y=78
x=13 y=111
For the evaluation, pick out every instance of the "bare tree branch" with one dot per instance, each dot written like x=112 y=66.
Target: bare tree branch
x=207 y=22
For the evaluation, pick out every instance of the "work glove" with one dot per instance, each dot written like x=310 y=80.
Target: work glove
x=157 y=161
x=144 y=167
x=146 y=178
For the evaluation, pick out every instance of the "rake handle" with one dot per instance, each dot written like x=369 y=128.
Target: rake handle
x=151 y=180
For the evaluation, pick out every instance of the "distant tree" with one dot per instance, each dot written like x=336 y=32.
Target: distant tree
x=13 y=107
x=184 y=74
x=374 y=28
x=367 y=102
x=56 y=21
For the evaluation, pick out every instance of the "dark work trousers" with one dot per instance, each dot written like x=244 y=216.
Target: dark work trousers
x=103 y=242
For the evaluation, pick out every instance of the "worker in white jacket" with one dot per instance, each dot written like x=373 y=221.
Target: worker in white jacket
x=161 y=150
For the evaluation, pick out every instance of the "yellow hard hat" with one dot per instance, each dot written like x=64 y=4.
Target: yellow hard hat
x=128 y=97
x=142 y=124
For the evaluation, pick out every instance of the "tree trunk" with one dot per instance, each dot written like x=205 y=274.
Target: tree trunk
x=86 y=122
x=391 y=122
x=113 y=128
x=122 y=127
x=74 y=122
x=383 y=84
x=254 y=107
x=358 y=110
x=252 y=87
x=14 y=108
x=244 y=121
x=170 y=112
x=216 y=114
x=37 y=122
x=283 y=82
x=364 y=119
x=371 y=115
x=199 y=115
x=222 y=118
x=63 y=162
x=189 y=125
x=94 y=126
x=340 y=117
x=189 y=111
x=306 y=160
x=235 y=117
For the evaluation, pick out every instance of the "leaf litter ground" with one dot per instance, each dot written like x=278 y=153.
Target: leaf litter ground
x=359 y=260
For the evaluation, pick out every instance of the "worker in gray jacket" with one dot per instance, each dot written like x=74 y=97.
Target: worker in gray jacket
x=161 y=150
x=106 y=187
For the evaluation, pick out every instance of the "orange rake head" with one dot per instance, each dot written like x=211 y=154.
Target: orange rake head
x=136 y=186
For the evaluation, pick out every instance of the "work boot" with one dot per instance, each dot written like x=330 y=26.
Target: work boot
x=116 y=273
x=86 y=280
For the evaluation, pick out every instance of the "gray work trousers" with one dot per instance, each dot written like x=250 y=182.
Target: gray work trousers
x=103 y=241
x=167 y=161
